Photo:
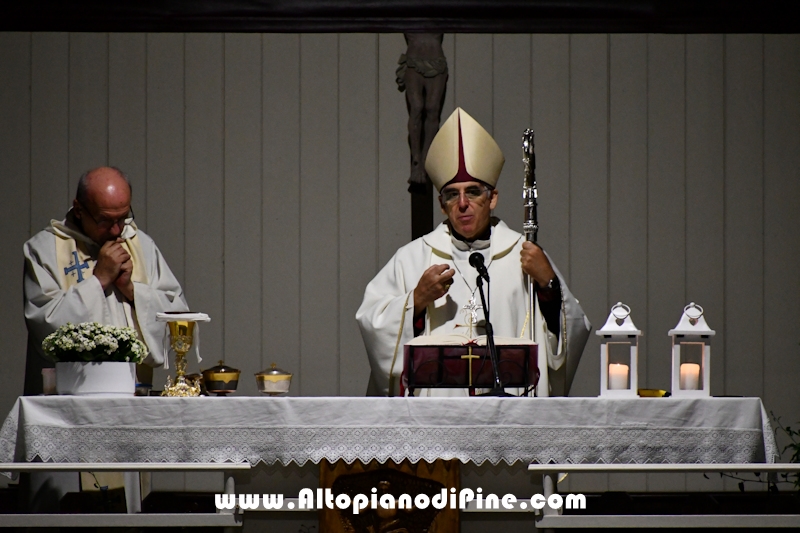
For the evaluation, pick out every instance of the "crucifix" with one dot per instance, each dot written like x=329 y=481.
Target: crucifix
x=78 y=266
x=470 y=311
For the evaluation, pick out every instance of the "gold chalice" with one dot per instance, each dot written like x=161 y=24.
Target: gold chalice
x=181 y=333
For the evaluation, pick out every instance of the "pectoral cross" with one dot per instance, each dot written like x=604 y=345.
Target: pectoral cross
x=78 y=266
x=470 y=311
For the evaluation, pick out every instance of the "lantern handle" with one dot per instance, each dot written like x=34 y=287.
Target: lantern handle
x=620 y=311
x=698 y=311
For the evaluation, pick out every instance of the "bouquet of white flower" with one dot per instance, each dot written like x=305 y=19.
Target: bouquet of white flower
x=91 y=341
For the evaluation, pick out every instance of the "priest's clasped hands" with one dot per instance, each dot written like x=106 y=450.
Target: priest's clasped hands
x=114 y=265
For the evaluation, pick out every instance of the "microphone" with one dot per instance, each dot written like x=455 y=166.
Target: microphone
x=476 y=260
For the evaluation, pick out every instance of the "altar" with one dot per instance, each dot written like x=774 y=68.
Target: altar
x=483 y=433
x=298 y=430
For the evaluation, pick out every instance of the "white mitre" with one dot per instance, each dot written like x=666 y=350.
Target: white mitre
x=463 y=151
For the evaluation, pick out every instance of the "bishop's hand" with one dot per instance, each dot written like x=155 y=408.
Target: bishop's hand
x=535 y=264
x=434 y=283
x=109 y=262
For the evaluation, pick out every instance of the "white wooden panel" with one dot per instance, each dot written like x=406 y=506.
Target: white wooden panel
x=589 y=193
x=281 y=204
x=666 y=201
x=204 y=192
x=472 y=82
x=165 y=144
x=15 y=170
x=164 y=215
x=588 y=205
x=51 y=196
x=88 y=103
x=449 y=47
x=319 y=216
x=243 y=267
x=627 y=205
x=358 y=182
x=781 y=221
x=744 y=215
x=394 y=202
x=705 y=202
x=550 y=96
x=511 y=77
x=666 y=193
x=127 y=113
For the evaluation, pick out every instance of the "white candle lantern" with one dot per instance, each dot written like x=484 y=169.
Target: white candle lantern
x=691 y=354
x=619 y=354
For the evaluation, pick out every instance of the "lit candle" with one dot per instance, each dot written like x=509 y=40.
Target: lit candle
x=690 y=376
x=617 y=377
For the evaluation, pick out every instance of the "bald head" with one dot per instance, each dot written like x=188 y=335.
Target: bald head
x=102 y=200
x=98 y=183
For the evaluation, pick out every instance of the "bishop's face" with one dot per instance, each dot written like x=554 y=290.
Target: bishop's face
x=468 y=206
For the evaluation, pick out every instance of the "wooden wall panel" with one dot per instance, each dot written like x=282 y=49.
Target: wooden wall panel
x=589 y=205
x=319 y=214
x=15 y=170
x=394 y=204
x=472 y=87
x=550 y=109
x=280 y=205
x=781 y=220
x=51 y=195
x=88 y=103
x=242 y=191
x=358 y=180
x=705 y=201
x=666 y=255
x=449 y=47
x=744 y=215
x=666 y=226
x=511 y=82
x=165 y=146
x=127 y=113
x=204 y=189
x=164 y=216
x=627 y=205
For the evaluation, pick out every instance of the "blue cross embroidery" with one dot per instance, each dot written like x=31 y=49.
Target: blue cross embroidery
x=78 y=266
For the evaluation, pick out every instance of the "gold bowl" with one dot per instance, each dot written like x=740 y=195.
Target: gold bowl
x=273 y=381
x=221 y=379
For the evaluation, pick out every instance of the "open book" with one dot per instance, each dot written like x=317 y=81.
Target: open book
x=458 y=362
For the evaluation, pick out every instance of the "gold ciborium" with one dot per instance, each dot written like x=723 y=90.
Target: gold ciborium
x=181 y=333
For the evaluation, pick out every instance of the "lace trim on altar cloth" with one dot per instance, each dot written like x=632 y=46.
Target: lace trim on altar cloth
x=476 y=444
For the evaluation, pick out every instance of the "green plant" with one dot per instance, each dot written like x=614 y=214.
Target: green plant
x=94 y=342
x=793 y=447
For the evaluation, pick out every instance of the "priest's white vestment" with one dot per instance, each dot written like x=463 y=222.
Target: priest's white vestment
x=53 y=298
x=387 y=312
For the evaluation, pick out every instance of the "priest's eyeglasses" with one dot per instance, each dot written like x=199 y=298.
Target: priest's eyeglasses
x=474 y=194
x=106 y=224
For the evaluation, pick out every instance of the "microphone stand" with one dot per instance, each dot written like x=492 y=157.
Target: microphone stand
x=497 y=390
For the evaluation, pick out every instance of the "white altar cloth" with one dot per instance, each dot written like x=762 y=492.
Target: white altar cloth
x=282 y=430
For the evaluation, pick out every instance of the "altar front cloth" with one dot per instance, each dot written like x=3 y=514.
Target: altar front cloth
x=288 y=429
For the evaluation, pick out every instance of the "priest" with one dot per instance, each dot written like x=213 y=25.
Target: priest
x=96 y=266
x=427 y=285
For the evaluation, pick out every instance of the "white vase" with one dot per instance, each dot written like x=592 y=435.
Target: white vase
x=97 y=379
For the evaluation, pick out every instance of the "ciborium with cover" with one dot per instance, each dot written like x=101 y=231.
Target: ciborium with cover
x=183 y=334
